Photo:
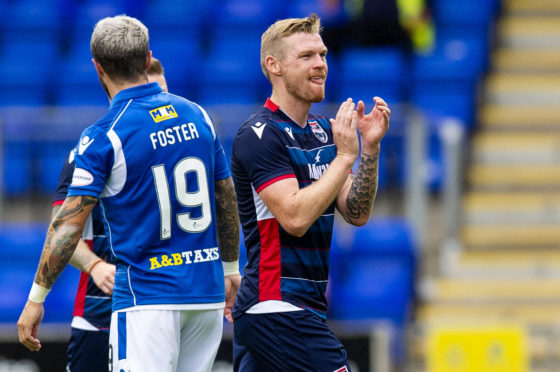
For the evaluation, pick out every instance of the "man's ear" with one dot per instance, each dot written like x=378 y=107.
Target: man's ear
x=148 y=60
x=98 y=67
x=273 y=65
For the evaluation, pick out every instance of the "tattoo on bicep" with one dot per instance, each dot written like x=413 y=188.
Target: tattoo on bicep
x=61 y=240
x=227 y=219
x=364 y=187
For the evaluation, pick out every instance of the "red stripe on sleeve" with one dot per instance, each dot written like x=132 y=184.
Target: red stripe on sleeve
x=57 y=202
x=270 y=182
x=269 y=265
x=80 y=302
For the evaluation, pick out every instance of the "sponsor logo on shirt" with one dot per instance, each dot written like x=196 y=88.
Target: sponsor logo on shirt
x=81 y=177
x=84 y=144
x=289 y=131
x=184 y=258
x=258 y=129
x=318 y=131
x=163 y=113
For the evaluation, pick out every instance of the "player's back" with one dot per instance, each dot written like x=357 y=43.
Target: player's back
x=158 y=155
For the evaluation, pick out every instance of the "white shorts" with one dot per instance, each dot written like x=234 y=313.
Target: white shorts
x=165 y=340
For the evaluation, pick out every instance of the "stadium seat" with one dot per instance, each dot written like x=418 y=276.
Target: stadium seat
x=32 y=20
x=78 y=83
x=242 y=19
x=368 y=72
x=22 y=244
x=444 y=82
x=373 y=272
x=176 y=19
x=180 y=59
x=27 y=68
x=232 y=74
x=458 y=18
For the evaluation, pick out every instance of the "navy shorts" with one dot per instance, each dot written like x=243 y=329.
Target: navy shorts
x=88 y=351
x=290 y=341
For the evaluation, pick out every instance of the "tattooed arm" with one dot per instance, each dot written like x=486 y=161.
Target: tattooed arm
x=228 y=238
x=227 y=220
x=62 y=237
x=355 y=200
x=83 y=259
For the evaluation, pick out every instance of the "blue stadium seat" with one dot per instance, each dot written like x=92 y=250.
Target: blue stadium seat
x=78 y=83
x=459 y=18
x=181 y=63
x=26 y=71
x=369 y=72
x=32 y=20
x=444 y=82
x=176 y=19
x=373 y=272
x=232 y=74
x=22 y=244
x=17 y=175
x=241 y=19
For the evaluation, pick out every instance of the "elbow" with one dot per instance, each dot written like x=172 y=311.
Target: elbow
x=295 y=227
x=359 y=221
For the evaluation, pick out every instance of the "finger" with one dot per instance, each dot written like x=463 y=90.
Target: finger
x=348 y=115
x=354 y=122
x=379 y=101
x=360 y=108
x=340 y=109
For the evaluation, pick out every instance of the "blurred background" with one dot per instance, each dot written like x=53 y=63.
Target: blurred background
x=459 y=268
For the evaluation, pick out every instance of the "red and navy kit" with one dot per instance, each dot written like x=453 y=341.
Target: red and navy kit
x=91 y=303
x=267 y=148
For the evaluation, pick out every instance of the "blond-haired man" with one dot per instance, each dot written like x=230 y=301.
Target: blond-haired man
x=291 y=169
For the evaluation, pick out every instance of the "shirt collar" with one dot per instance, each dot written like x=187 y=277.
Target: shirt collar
x=136 y=92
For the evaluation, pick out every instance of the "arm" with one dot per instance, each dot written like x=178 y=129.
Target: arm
x=297 y=209
x=356 y=199
x=228 y=239
x=83 y=259
x=62 y=237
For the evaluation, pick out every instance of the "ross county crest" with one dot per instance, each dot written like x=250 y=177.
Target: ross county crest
x=318 y=131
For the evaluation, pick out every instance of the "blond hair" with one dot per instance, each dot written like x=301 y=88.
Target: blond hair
x=271 y=40
x=121 y=46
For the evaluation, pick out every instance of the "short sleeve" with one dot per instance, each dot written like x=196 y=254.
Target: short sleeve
x=262 y=154
x=93 y=162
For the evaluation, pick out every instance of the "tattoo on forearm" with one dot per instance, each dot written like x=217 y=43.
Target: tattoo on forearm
x=364 y=187
x=61 y=240
x=228 y=220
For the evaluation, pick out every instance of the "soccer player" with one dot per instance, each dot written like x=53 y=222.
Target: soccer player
x=159 y=173
x=88 y=348
x=291 y=169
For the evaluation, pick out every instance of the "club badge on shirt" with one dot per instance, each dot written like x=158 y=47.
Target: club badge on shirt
x=318 y=131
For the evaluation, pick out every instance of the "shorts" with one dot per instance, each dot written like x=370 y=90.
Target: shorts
x=88 y=351
x=289 y=341
x=165 y=340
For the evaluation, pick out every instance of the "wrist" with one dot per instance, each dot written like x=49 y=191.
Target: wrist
x=230 y=268
x=93 y=265
x=371 y=149
x=38 y=293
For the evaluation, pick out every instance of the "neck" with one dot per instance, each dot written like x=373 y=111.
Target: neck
x=294 y=107
x=114 y=88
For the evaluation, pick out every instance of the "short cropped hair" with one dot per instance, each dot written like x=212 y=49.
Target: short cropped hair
x=271 y=40
x=121 y=46
x=155 y=67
